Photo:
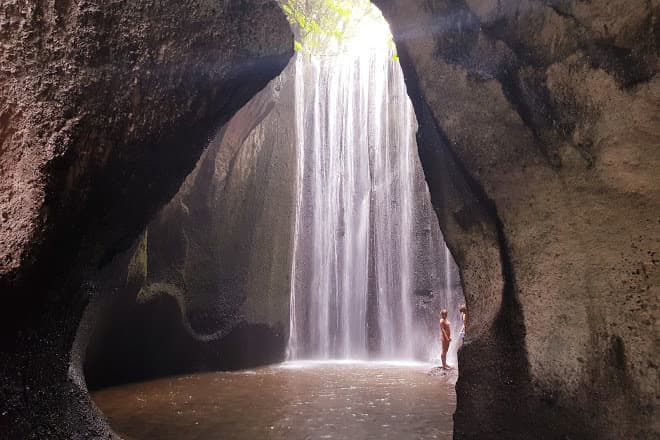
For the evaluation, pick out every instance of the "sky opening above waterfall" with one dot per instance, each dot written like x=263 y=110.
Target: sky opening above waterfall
x=338 y=27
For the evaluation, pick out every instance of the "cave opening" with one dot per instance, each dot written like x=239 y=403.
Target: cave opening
x=304 y=235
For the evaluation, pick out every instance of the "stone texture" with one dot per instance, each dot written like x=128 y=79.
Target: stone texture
x=144 y=66
x=545 y=115
x=211 y=273
x=104 y=109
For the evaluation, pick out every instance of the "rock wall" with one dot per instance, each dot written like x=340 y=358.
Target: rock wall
x=104 y=109
x=214 y=265
x=539 y=134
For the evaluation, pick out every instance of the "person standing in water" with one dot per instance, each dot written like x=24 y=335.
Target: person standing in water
x=463 y=311
x=445 y=335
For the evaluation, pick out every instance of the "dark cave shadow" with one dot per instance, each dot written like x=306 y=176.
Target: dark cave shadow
x=150 y=341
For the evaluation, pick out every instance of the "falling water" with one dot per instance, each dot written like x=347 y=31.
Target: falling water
x=352 y=265
x=448 y=280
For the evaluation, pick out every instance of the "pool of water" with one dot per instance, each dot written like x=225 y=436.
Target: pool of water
x=303 y=400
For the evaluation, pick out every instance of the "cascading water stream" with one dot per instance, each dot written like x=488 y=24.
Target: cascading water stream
x=354 y=220
x=360 y=241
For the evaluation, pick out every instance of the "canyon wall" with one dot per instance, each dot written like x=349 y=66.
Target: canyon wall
x=105 y=108
x=207 y=284
x=539 y=135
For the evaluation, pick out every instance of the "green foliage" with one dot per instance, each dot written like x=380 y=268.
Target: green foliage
x=325 y=27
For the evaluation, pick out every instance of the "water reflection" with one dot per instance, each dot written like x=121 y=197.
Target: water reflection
x=291 y=401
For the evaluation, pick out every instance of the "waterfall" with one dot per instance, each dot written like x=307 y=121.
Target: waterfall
x=448 y=280
x=352 y=265
x=366 y=241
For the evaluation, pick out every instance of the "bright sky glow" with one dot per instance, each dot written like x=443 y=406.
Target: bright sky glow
x=337 y=27
x=373 y=33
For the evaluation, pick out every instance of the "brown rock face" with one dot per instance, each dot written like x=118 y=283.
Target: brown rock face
x=211 y=273
x=104 y=109
x=92 y=87
x=539 y=133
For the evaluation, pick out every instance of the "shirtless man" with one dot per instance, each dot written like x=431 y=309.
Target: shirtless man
x=445 y=335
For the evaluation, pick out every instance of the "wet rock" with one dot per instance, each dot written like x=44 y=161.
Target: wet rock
x=104 y=109
x=542 y=164
x=211 y=271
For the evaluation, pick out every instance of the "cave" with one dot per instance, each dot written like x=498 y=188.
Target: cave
x=146 y=214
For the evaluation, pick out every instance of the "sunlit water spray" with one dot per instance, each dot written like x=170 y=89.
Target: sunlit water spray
x=353 y=271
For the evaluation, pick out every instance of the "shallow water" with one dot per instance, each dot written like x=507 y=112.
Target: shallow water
x=289 y=401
